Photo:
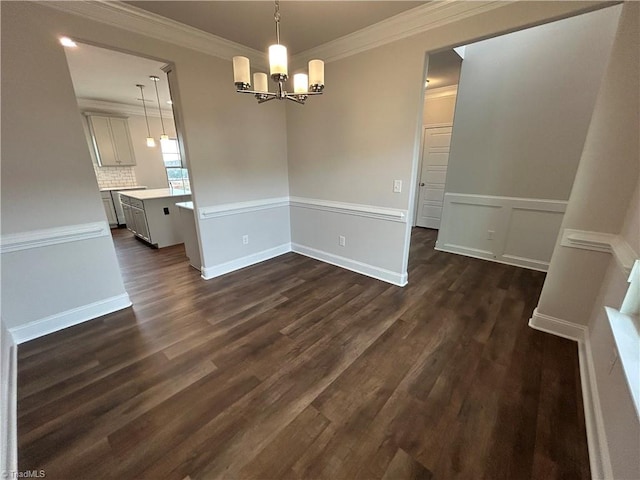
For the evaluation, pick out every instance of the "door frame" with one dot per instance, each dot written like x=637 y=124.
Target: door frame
x=417 y=185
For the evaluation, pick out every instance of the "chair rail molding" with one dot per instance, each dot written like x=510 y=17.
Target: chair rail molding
x=370 y=211
x=223 y=210
x=14 y=242
x=601 y=242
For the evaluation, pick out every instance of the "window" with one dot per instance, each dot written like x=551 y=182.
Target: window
x=177 y=176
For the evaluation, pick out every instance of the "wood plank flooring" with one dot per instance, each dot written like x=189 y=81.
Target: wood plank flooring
x=298 y=369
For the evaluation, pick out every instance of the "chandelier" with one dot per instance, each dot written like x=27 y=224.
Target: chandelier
x=303 y=84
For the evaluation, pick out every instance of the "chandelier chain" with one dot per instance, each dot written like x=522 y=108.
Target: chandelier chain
x=276 y=17
x=144 y=106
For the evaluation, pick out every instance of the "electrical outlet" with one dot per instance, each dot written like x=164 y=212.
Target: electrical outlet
x=397 y=186
x=490 y=234
x=245 y=239
x=342 y=241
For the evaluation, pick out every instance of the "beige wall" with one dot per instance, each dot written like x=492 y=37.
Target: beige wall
x=524 y=106
x=236 y=151
x=605 y=199
x=364 y=133
x=604 y=185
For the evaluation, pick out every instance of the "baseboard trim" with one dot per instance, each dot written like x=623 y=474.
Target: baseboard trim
x=69 y=318
x=217 y=270
x=363 y=268
x=557 y=326
x=467 y=252
x=599 y=458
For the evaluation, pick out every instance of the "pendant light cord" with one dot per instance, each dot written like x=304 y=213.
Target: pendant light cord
x=155 y=82
x=276 y=16
x=145 y=109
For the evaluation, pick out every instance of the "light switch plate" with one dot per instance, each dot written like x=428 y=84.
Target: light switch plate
x=397 y=186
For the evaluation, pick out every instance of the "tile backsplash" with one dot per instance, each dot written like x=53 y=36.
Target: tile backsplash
x=109 y=177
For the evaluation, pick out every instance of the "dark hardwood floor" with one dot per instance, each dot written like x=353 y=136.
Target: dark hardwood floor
x=298 y=369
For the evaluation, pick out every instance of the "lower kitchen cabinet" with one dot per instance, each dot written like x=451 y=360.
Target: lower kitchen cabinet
x=155 y=220
x=109 y=209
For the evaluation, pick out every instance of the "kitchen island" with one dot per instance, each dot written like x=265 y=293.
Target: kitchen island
x=152 y=215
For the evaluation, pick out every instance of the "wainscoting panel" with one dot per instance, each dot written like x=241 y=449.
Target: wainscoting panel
x=516 y=231
x=372 y=237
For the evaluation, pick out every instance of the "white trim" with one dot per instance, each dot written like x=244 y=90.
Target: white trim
x=557 y=326
x=627 y=340
x=69 y=318
x=217 y=270
x=370 y=211
x=406 y=24
x=483 y=255
x=601 y=242
x=13 y=242
x=497 y=250
x=599 y=458
x=88 y=106
x=441 y=92
x=204 y=213
x=363 y=268
x=9 y=404
x=140 y=21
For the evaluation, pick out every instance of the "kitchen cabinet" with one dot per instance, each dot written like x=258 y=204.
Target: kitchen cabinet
x=111 y=140
x=152 y=215
x=109 y=209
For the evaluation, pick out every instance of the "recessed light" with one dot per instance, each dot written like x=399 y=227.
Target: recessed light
x=170 y=102
x=67 y=42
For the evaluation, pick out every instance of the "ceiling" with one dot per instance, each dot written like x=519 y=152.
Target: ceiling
x=444 y=69
x=107 y=75
x=303 y=24
x=110 y=76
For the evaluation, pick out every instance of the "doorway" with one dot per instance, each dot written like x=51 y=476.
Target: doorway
x=441 y=89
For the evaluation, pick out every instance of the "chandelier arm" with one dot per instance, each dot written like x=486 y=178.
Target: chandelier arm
x=296 y=98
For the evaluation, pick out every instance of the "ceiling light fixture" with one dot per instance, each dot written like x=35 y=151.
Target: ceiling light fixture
x=150 y=141
x=67 y=42
x=279 y=74
x=164 y=138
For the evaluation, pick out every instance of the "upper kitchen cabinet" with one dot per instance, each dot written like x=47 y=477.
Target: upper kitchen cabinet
x=111 y=140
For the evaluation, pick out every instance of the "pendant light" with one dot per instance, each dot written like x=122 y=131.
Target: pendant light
x=150 y=141
x=164 y=138
x=303 y=84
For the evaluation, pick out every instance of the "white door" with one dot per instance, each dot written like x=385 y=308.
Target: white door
x=435 y=157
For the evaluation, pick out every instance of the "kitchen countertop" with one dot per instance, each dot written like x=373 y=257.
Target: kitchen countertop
x=185 y=205
x=157 y=193
x=110 y=189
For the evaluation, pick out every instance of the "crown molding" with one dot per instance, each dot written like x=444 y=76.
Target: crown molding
x=133 y=19
x=406 y=24
x=86 y=104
